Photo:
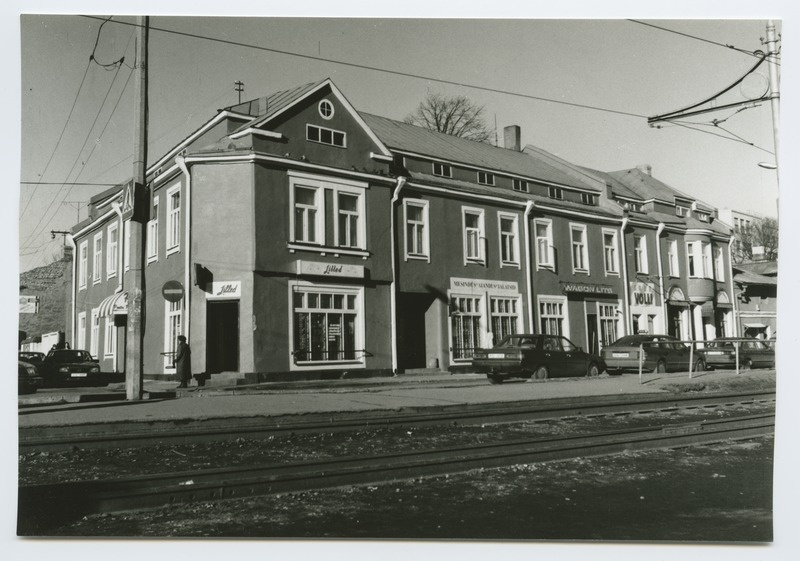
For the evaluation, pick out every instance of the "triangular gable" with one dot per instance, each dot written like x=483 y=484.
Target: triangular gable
x=289 y=104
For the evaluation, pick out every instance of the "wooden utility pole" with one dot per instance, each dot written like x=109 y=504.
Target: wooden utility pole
x=133 y=203
x=774 y=93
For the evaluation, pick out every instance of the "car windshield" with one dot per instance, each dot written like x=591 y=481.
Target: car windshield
x=719 y=344
x=69 y=356
x=634 y=340
x=516 y=341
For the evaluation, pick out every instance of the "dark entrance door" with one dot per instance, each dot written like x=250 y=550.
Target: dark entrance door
x=591 y=333
x=222 y=336
x=412 y=335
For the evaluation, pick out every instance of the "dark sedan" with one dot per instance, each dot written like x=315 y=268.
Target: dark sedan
x=661 y=353
x=721 y=353
x=65 y=366
x=535 y=356
x=28 y=379
x=31 y=357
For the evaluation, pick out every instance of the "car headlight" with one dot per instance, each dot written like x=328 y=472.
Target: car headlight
x=63 y=369
x=94 y=369
x=31 y=370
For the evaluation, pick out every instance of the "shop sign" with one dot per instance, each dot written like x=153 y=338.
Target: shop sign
x=224 y=289
x=642 y=294
x=477 y=286
x=586 y=288
x=322 y=269
x=28 y=304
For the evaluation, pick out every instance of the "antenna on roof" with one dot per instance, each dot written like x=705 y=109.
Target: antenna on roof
x=238 y=86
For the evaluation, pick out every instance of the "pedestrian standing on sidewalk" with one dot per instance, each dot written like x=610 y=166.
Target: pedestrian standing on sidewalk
x=183 y=362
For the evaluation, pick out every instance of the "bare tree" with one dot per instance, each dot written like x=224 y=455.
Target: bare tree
x=762 y=232
x=455 y=115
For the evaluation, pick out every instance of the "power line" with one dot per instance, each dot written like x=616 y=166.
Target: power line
x=75 y=183
x=378 y=69
x=737 y=139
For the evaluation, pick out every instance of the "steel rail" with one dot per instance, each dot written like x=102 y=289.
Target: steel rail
x=41 y=507
x=151 y=433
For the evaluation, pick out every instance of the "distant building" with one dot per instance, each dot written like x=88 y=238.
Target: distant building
x=756 y=293
x=742 y=224
x=43 y=297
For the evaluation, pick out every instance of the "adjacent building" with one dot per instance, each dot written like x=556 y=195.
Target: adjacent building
x=313 y=240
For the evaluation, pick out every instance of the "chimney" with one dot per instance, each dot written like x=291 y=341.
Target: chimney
x=512 y=138
x=609 y=192
x=67 y=255
x=262 y=106
x=645 y=168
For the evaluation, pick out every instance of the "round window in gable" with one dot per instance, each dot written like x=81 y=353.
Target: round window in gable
x=326 y=109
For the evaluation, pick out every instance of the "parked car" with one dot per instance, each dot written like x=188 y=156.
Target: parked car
x=31 y=357
x=661 y=353
x=721 y=353
x=28 y=378
x=69 y=366
x=535 y=356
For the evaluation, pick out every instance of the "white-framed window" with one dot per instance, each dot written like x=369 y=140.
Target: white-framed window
x=610 y=252
x=126 y=240
x=672 y=258
x=173 y=219
x=681 y=210
x=543 y=230
x=442 y=170
x=308 y=214
x=580 y=253
x=552 y=316
x=94 y=338
x=81 y=335
x=519 y=185
x=694 y=259
x=110 y=343
x=485 y=178
x=466 y=315
x=555 y=192
x=608 y=315
x=173 y=326
x=719 y=264
x=589 y=199
x=708 y=271
x=350 y=219
x=327 y=324
x=112 y=249
x=97 y=261
x=83 y=263
x=503 y=317
x=640 y=253
x=152 y=234
x=325 y=108
x=703 y=216
x=415 y=213
x=509 y=238
x=327 y=136
x=472 y=221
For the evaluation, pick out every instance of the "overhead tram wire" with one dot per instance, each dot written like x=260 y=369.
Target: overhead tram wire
x=729 y=47
x=378 y=69
x=738 y=139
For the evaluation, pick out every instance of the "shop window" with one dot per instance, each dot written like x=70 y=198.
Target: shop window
x=640 y=253
x=97 y=262
x=416 y=220
x=327 y=136
x=472 y=220
x=672 y=258
x=326 y=325
x=110 y=343
x=509 y=245
x=504 y=318
x=610 y=255
x=544 y=244
x=83 y=263
x=94 y=337
x=551 y=317
x=173 y=219
x=609 y=323
x=580 y=254
x=112 y=247
x=172 y=328
x=465 y=326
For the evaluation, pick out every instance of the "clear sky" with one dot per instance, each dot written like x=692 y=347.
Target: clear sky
x=631 y=69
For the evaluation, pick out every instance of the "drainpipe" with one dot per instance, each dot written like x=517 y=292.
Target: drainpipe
x=529 y=274
x=626 y=305
x=121 y=253
x=71 y=242
x=661 y=227
x=401 y=181
x=187 y=287
x=735 y=319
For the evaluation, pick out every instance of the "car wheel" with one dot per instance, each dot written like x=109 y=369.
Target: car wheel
x=541 y=373
x=495 y=379
x=660 y=368
x=592 y=371
x=746 y=365
x=699 y=366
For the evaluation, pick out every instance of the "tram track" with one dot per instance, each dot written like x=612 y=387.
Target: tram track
x=46 y=505
x=36 y=439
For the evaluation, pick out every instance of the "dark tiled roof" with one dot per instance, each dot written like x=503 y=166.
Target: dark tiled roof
x=274 y=103
x=648 y=187
x=758 y=267
x=617 y=186
x=691 y=222
x=435 y=145
x=753 y=278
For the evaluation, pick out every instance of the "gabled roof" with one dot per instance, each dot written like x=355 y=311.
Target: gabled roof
x=648 y=187
x=617 y=187
x=439 y=146
x=273 y=103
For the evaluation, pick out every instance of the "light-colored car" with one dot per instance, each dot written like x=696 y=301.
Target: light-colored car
x=661 y=353
x=754 y=353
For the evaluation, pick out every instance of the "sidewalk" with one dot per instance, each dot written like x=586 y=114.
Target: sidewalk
x=108 y=405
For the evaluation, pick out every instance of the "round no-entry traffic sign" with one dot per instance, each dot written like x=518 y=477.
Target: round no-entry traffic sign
x=172 y=291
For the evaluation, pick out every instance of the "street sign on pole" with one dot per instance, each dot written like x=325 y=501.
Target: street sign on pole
x=172 y=291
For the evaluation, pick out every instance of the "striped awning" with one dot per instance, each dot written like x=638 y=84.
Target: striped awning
x=114 y=305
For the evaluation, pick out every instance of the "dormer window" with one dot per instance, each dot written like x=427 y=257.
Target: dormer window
x=555 y=193
x=485 y=178
x=520 y=185
x=326 y=136
x=325 y=109
x=442 y=170
x=702 y=216
x=588 y=199
x=681 y=211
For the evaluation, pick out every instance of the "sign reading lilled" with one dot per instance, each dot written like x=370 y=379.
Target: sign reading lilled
x=586 y=288
x=224 y=289
x=476 y=286
x=322 y=269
